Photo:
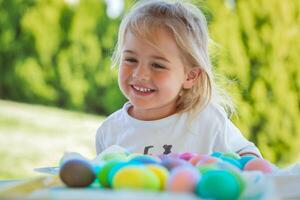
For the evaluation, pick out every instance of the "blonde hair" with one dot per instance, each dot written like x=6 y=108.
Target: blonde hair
x=188 y=26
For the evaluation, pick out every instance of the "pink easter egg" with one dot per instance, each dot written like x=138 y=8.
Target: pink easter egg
x=183 y=179
x=196 y=158
x=207 y=160
x=186 y=156
x=258 y=165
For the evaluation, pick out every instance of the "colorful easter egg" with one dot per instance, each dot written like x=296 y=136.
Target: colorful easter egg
x=77 y=173
x=146 y=159
x=186 y=156
x=218 y=185
x=205 y=168
x=114 y=156
x=232 y=161
x=221 y=164
x=195 y=159
x=258 y=164
x=244 y=159
x=161 y=172
x=117 y=167
x=103 y=173
x=136 y=177
x=133 y=155
x=216 y=154
x=231 y=155
x=183 y=179
x=171 y=163
x=207 y=160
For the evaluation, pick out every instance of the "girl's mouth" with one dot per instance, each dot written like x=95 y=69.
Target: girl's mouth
x=142 y=91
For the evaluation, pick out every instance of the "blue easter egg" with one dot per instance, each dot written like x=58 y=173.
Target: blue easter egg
x=216 y=154
x=145 y=159
x=232 y=161
x=245 y=159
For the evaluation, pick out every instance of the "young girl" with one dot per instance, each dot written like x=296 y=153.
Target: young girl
x=166 y=74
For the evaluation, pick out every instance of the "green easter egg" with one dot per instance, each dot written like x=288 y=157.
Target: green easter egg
x=136 y=177
x=218 y=185
x=103 y=173
x=114 y=156
x=133 y=155
x=231 y=155
x=205 y=168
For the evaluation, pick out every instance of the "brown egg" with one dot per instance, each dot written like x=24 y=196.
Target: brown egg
x=77 y=173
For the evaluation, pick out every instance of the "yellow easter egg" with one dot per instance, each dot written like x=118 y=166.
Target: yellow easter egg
x=161 y=172
x=136 y=177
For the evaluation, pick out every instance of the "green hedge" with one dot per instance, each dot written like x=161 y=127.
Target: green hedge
x=259 y=45
x=58 y=54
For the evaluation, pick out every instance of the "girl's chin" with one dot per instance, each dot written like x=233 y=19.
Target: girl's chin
x=141 y=105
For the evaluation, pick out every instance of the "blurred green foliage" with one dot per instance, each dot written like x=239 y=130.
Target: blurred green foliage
x=56 y=53
x=260 y=45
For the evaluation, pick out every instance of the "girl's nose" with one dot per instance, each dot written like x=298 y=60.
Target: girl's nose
x=141 y=72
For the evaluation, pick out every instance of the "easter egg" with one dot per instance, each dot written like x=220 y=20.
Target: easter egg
x=170 y=163
x=133 y=155
x=244 y=159
x=258 y=164
x=117 y=167
x=145 y=159
x=205 y=168
x=218 y=185
x=232 y=161
x=135 y=177
x=77 y=173
x=103 y=173
x=216 y=154
x=207 y=160
x=161 y=172
x=183 y=179
x=186 y=156
x=96 y=168
x=231 y=155
x=221 y=164
x=195 y=159
x=109 y=153
x=114 y=156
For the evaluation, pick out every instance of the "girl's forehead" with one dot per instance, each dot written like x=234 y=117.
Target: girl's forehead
x=160 y=40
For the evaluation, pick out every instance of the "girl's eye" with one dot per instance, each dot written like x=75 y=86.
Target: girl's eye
x=158 y=66
x=131 y=60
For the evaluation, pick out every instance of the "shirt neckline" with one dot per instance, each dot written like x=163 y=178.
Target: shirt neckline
x=156 y=123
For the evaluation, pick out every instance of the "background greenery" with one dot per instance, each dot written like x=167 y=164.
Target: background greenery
x=57 y=54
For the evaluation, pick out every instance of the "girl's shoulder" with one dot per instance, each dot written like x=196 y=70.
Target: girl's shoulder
x=212 y=113
x=116 y=117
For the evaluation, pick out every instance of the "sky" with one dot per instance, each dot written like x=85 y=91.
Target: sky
x=114 y=7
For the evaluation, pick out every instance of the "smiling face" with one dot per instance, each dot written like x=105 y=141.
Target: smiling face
x=151 y=77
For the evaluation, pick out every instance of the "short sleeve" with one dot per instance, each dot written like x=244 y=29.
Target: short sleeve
x=235 y=141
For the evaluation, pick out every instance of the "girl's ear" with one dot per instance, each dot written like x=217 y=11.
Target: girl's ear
x=191 y=77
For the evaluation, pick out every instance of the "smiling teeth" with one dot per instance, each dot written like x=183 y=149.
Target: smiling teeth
x=142 y=89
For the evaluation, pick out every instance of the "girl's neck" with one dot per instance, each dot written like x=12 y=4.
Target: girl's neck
x=150 y=114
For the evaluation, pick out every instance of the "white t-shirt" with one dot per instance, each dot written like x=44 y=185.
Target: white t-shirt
x=208 y=132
